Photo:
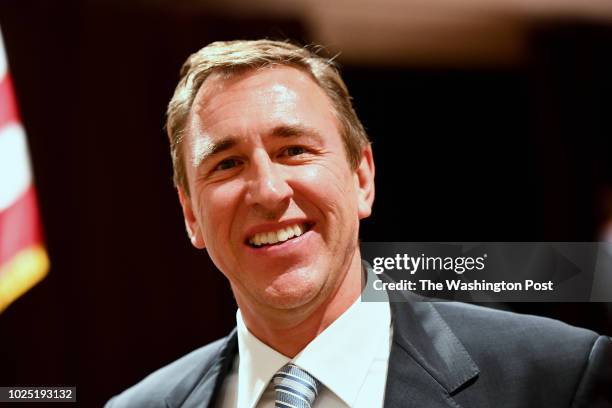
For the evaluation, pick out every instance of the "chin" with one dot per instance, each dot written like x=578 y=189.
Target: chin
x=290 y=291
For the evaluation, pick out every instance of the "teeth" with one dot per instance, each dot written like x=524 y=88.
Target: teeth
x=283 y=235
x=274 y=237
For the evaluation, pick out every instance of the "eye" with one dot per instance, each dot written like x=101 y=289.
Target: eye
x=294 y=151
x=227 y=164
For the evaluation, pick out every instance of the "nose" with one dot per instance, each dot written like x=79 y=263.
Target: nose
x=267 y=187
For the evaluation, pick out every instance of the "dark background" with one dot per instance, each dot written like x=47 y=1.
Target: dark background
x=510 y=152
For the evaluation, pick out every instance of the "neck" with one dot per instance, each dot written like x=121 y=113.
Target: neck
x=290 y=331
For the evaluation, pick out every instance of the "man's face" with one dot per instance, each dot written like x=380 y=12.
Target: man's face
x=273 y=198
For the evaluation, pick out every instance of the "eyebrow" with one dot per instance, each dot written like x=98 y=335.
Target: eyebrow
x=292 y=131
x=204 y=149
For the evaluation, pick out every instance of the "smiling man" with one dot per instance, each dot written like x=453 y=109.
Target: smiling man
x=274 y=172
x=274 y=199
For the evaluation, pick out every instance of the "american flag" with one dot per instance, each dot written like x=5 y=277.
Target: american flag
x=23 y=258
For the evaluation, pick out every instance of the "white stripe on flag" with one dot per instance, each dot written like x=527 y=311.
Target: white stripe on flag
x=15 y=173
x=3 y=64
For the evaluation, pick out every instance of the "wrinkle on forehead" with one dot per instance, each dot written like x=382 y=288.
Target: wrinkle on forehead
x=218 y=83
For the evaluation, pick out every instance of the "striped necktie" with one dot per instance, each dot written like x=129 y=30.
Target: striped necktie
x=294 y=387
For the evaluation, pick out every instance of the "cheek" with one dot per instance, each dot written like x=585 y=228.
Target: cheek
x=330 y=175
x=329 y=187
x=217 y=210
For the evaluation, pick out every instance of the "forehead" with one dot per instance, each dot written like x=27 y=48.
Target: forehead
x=264 y=95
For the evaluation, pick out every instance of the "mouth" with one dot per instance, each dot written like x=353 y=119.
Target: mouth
x=280 y=236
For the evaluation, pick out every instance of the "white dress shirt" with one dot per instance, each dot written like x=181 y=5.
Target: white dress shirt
x=349 y=358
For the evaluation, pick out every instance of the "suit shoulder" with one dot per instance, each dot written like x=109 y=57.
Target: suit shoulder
x=483 y=330
x=543 y=361
x=457 y=314
x=184 y=373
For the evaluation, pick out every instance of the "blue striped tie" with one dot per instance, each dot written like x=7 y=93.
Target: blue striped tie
x=294 y=387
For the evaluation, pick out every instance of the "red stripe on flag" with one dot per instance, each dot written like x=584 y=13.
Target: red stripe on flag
x=8 y=102
x=19 y=225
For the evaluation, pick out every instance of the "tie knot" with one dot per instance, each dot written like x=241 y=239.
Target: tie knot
x=294 y=387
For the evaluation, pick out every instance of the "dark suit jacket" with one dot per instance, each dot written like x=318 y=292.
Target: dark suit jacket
x=442 y=355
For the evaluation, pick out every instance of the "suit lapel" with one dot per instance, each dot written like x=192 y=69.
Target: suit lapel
x=428 y=365
x=207 y=388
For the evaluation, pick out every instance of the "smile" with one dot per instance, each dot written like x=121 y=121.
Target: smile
x=275 y=237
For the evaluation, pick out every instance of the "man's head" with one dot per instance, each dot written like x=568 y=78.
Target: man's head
x=275 y=176
x=232 y=57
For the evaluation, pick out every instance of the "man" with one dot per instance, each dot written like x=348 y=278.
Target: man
x=274 y=172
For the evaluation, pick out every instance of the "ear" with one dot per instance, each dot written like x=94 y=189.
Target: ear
x=191 y=224
x=365 y=183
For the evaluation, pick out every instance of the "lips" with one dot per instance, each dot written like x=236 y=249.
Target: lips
x=278 y=235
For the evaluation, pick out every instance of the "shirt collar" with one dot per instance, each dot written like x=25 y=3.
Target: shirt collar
x=339 y=357
x=258 y=363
